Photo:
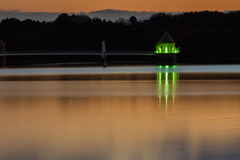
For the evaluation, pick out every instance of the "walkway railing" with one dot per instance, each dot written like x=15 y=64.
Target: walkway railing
x=56 y=51
x=79 y=51
x=74 y=52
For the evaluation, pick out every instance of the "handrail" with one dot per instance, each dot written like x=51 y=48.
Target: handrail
x=78 y=51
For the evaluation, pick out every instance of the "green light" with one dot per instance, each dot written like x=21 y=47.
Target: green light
x=174 y=83
x=173 y=101
x=159 y=102
x=174 y=77
x=166 y=48
x=159 y=66
x=166 y=97
x=160 y=77
x=167 y=66
x=164 y=88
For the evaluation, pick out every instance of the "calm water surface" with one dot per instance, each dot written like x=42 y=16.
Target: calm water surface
x=120 y=120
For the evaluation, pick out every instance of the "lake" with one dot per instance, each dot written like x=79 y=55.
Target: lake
x=170 y=115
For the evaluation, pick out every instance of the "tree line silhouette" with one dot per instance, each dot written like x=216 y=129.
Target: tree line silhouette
x=203 y=37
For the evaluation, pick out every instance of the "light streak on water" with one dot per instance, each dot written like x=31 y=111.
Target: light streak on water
x=168 y=81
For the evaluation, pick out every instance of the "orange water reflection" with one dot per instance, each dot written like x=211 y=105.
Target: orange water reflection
x=54 y=120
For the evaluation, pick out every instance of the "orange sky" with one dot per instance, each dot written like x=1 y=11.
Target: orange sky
x=133 y=5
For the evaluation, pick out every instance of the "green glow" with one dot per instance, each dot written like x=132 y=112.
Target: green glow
x=160 y=77
x=166 y=76
x=174 y=83
x=174 y=66
x=159 y=102
x=173 y=101
x=166 y=97
x=166 y=48
x=168 y=88
x=167 y=66
x=174 y=77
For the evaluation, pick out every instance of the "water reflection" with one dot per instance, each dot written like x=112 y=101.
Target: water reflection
x=167 y=83
x=120 y=120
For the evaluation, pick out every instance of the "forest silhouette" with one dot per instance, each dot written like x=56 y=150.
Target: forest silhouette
x=203 y=37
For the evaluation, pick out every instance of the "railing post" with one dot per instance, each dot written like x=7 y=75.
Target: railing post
x=2 y=58
x=104 y=60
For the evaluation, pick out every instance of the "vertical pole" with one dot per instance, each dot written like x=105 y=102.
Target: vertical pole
x=2 y=58
x=104 y=60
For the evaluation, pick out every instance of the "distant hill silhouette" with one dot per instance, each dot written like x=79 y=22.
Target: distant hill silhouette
x=108 y=14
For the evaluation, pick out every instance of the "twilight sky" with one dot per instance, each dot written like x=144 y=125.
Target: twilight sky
x=131 y=5
x=48 y=10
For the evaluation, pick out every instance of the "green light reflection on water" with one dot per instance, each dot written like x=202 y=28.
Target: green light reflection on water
x=167 y=83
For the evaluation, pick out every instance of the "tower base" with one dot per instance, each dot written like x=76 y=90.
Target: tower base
x=166 y=59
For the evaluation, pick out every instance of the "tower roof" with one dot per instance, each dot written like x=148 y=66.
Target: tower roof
x=166 y=38
x=1 y=42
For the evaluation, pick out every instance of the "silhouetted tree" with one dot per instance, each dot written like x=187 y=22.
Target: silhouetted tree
x=133 y=19
x=122 y=21
x=82 y=18
x=63 y=20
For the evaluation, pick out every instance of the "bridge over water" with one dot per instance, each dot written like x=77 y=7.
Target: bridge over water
x=103 y=54
x=66 y=53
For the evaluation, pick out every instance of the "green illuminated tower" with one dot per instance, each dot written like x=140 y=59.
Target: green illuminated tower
x=166 y=45
x=166 y=50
